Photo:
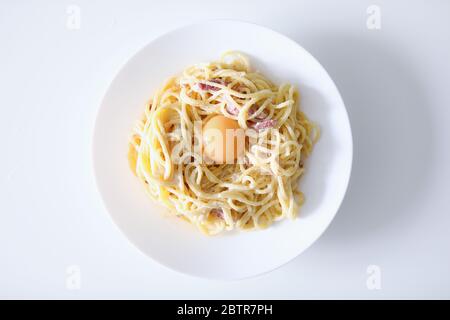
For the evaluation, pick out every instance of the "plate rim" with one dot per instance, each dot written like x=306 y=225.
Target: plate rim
x=101 y=106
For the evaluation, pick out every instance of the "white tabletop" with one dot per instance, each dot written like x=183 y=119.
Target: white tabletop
x=391 y=237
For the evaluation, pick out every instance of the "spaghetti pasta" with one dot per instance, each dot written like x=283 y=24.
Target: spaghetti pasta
x=261 y=185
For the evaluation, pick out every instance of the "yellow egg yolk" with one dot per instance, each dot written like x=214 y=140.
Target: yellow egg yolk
x=223 y=139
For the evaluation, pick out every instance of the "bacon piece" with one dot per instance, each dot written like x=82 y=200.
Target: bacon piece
x=239 y=88
x=207 y=87
x=264 y=124
x=217 y=212
x=260 y=116
x=231 y=109
x=231 y=106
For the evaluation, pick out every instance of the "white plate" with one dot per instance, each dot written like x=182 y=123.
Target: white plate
x=175 y=243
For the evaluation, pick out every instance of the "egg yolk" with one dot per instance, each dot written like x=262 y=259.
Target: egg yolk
x=223 y=139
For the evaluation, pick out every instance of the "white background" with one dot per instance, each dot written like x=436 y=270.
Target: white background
x=394 y=81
